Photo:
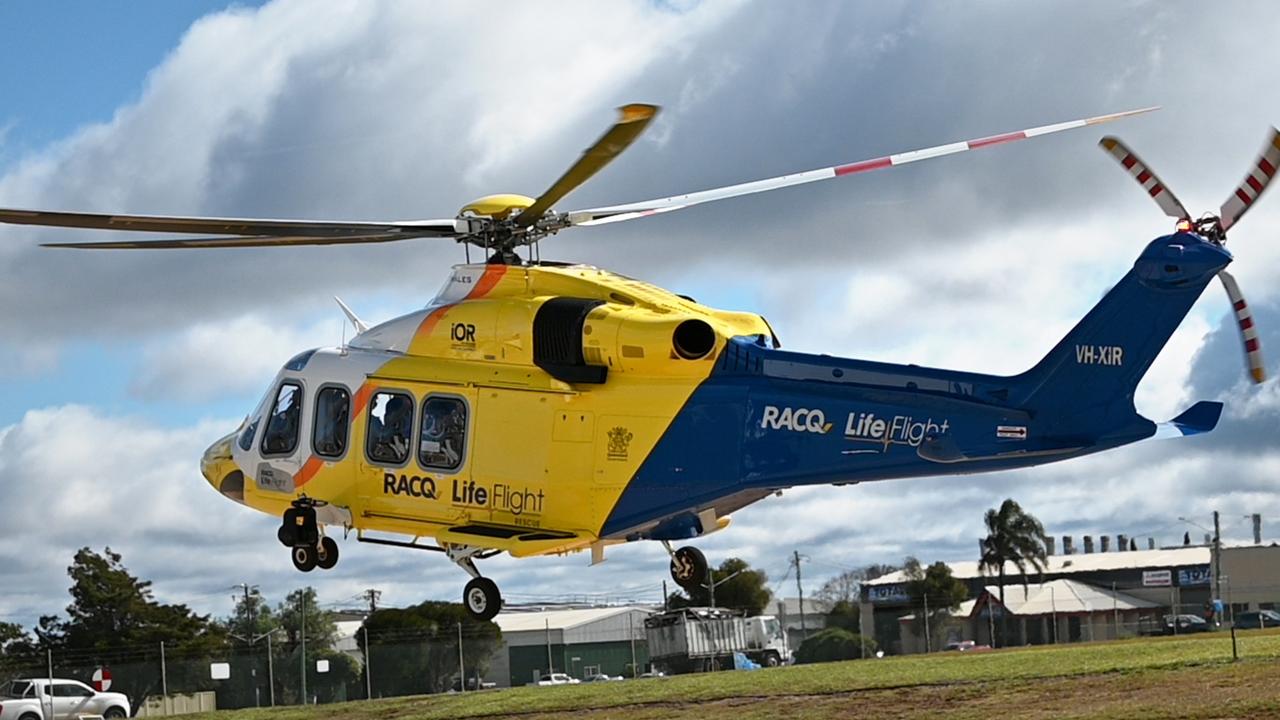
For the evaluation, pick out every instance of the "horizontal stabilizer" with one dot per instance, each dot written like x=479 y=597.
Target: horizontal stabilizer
x=1199 y=418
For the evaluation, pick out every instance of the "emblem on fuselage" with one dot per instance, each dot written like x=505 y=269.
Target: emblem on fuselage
x=794 y=419
x=900 y=430
x=619 y=443
x=411 y=485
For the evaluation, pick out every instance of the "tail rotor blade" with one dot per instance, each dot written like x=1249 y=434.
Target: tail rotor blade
x=1255 y=183
x=1139 y=171
x=1248 y=333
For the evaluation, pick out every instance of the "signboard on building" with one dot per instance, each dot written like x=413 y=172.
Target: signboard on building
x=896 y=593
x=1157 y=578
x=1197 y=575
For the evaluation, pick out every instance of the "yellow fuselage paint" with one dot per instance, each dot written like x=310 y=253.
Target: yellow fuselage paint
x=544 y=460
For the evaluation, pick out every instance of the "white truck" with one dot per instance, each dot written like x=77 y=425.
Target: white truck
x=31 y=699
x=694 y=639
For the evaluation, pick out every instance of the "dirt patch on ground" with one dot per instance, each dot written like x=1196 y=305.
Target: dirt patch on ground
x=1242 y=690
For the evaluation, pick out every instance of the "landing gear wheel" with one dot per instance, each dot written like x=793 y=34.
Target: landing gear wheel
x=481 y=598
x=287 y=536
x=688 y=567
x=327 y=553
x=305 y=557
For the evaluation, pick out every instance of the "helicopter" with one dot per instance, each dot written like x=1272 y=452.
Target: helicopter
x=536 y=407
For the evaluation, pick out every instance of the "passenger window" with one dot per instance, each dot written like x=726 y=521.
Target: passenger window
x=281 y=437
x=390 y=428
x=333 y=406
x=444 y=433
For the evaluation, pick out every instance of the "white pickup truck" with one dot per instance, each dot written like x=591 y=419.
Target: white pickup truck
x=29 y=699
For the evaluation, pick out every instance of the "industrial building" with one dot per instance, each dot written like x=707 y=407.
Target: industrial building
x=577 y=641
x=1109 y=593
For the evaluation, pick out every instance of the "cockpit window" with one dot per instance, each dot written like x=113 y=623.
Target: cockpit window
x=390 y=428
x=246 y=436
x=444 y=433
x=333 y=406
x=281 y=437
x=299 y=361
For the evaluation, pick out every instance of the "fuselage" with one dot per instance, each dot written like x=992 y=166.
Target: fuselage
x=548 y=408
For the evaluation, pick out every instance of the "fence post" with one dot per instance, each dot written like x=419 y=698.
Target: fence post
x=462 y=670
x=368 y=669
x=164 y=674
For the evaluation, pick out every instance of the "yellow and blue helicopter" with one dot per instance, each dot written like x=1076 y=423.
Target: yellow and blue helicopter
x=538 y=407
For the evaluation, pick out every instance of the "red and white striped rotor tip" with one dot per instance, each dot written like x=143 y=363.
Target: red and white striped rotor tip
x=1248 y=333
x=1140 y=172
x=1254 y=183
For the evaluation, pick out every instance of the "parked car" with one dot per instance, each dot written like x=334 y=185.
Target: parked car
x=23 y=699
x=1260 y=619
x=1186 y=624
x=473 y=684
x=601 y=677
x=966 y=646
x=558 y=679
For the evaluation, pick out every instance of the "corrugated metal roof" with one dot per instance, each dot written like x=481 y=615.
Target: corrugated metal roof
x=557 y=619
x=1081 y=562
x=1061 y=596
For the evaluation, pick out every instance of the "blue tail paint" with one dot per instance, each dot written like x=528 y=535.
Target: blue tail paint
x=768 y=419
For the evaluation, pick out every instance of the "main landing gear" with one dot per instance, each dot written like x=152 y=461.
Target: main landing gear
x=688 y=566
x=309 y=547
x=480 y=597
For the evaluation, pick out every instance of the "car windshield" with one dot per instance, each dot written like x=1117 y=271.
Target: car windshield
x=16 y=689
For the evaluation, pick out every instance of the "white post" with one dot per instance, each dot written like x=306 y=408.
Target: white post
x=271 y=672
x=551 y=667
x=164 y=674
x=49 y=690
x=303 y=655
x=928 y=643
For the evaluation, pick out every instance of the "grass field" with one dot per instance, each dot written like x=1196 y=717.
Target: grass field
x=1187 y=677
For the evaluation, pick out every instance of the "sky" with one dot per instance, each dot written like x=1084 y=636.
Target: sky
x=117 y=370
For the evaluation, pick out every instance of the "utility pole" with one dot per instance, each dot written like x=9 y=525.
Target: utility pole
x=373 y=596
x=271 y=671
x=664 y=596
x=804 y=631
x=711 y=585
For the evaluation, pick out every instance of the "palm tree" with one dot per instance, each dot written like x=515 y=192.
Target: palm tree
x=1013 y=536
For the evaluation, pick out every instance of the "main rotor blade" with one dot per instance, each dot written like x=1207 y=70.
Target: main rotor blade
x=1255 y=183
x=1248 y=333
x=1139 y=171
x=632 y=121
x=241 y=241
x=617 y=213
x=239 y=228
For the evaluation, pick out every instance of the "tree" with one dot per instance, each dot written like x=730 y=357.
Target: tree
x=300 y=611
x=745 y=589
x=937 y=590
x=841 y=588
x=113 y=616
x=845 y=614
x=1013 y=536
x=415 y=649
x=832 y=644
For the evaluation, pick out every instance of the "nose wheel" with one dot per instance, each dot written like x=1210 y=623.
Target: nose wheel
x=300 y=532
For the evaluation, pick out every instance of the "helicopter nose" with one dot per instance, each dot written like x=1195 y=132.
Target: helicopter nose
x=220 y=470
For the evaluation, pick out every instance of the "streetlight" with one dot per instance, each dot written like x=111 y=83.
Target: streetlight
x=1217 y=553
x=711 y=584
x=271 y=675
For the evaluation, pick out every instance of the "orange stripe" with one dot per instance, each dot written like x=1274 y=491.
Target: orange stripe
x=492 y=274
x=361 y=399
x=308 y=471
x=429 y=322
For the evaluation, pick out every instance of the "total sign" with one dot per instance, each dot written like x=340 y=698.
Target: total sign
x=795 y=420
